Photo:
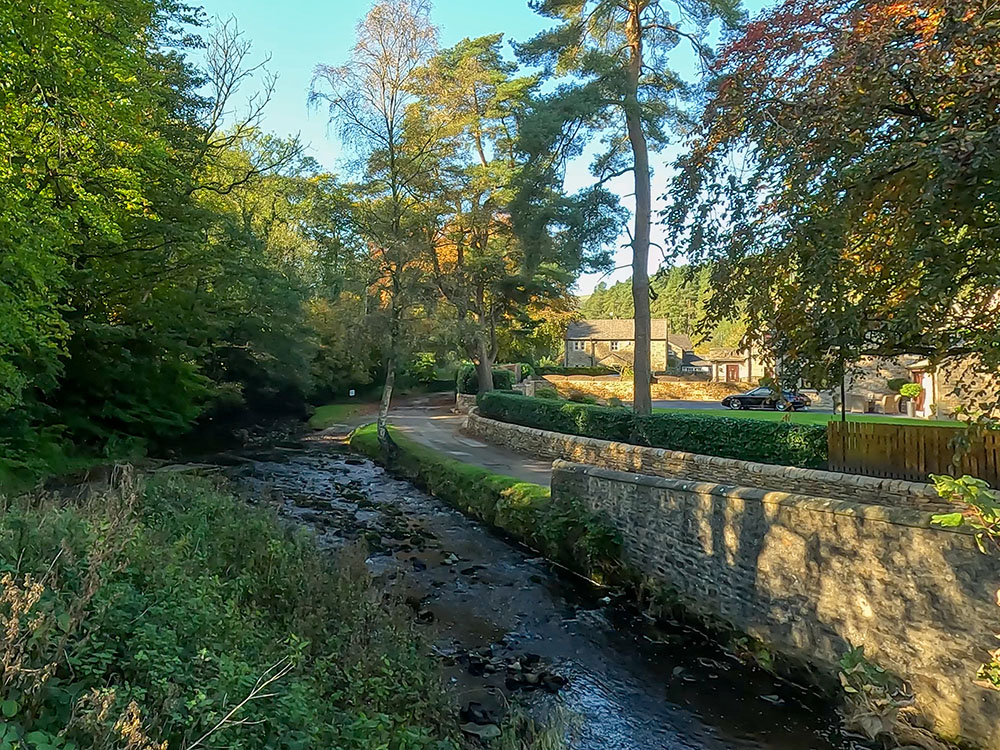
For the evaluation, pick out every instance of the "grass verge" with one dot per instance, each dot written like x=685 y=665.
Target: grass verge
x=142 y=615
x=330 y=414
x=567 y=532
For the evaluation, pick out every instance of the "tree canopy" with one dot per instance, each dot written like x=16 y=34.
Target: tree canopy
x=845 y=179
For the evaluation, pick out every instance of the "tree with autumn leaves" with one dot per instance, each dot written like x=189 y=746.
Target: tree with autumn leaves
x=846 y=181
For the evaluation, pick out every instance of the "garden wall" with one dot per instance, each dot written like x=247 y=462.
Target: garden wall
x=600 y=387
x=678 y=465
x=812 y=576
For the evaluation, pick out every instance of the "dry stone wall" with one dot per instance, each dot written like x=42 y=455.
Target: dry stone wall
x=679 y=465
x=663 y=391
x=813 y=576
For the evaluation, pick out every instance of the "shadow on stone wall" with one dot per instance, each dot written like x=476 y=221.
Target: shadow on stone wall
x=812 y=576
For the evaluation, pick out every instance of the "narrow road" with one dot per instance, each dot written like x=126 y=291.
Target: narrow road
x=437 y=427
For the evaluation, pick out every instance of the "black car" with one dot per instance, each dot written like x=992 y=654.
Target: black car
x=765 y=398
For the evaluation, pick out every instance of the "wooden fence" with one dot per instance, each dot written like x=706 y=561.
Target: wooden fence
x=909 y=451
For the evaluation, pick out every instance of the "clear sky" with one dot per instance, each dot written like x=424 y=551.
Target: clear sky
x=299 y=34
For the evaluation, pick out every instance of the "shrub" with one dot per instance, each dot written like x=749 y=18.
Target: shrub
x=896 y=383
x=157 y=608
x=421 y=369
x=560 y=416
x=911 y=390
x=551 y=393
x=566 y=532
x=578 y=397
x=745 y=439
x=467 y=379
x=571 y=371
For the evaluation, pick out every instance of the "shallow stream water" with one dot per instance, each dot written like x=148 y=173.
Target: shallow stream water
x=488 y=604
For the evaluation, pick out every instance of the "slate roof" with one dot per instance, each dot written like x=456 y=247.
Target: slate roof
x=624 y=330
x=725 y=355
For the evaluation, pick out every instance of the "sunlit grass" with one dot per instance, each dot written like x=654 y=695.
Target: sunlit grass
x=330 y=414
x=809 y=417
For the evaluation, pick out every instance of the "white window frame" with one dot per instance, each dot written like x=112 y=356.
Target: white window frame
x=614 y=345
x=579 y=346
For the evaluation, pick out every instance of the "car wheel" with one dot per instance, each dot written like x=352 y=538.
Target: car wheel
x=735 y=404
x=781 y=406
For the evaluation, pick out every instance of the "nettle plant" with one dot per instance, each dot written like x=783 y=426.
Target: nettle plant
x=982 y=513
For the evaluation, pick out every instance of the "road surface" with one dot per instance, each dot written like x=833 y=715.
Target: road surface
x=437 y=427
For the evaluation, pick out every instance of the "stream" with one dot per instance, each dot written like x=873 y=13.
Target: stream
x=504 y=621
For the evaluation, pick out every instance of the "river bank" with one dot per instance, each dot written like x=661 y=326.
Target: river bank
x=499 y=617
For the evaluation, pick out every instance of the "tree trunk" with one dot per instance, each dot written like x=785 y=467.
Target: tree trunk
x=382 y=427
x=642 y=401
x=484 y=367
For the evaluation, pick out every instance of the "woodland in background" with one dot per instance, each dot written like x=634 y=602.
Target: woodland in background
x=166 y=264
x=681 y=296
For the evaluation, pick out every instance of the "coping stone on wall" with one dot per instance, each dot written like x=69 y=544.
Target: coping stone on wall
x=681 y=465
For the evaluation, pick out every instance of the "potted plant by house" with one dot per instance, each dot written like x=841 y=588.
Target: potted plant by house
x=911 y=392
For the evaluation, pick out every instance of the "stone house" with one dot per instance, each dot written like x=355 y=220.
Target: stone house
x=611 y=343
x=737 y=366
x=943 y=384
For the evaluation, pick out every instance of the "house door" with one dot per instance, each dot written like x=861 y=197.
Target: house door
x=732 y=373
x=918 y=378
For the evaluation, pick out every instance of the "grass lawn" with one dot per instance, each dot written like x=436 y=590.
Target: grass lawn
x=339 y=413
x=808 y=417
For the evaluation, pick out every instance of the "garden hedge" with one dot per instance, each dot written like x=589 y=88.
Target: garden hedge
x=571 y=371
x=744 y=439
x=467 y=379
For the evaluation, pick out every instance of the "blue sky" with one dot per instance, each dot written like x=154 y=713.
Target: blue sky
x=299 y=34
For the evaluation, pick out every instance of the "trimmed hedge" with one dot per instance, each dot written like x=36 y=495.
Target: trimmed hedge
x=570 y=371
x=467 y=379
x=566 y=532
x=744 y=439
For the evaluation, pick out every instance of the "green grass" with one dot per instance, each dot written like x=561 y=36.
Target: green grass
x=808 y=417
x=158 y=604
x=330 y=414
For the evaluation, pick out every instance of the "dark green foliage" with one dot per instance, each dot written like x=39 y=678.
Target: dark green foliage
x=567 y=532
x=745 y=439
x=179 y=597
x=780 y=443
x=896 y=383
x=467 y=379
x=571 y=371
x=601 y=422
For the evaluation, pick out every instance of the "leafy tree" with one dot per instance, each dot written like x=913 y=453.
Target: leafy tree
x=470 y=107
x=368 y=98
x=845 y=177
x=617 y=55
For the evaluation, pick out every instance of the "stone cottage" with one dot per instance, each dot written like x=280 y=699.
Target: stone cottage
x=611 y=343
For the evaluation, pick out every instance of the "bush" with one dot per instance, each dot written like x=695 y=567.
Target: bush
x=896 y=384
x=567 y=532
x=911 y=390
x=571 y=371
x=745 y=439
x=779 y=443
x=467 y=379
x=559 y=416
x=157 y=608
x=578 y=397
x=551 y=393
x=422 y=369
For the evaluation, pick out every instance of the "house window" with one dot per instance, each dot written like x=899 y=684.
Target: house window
x=579 y=346
x=614 y=345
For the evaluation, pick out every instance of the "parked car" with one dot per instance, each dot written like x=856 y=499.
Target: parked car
x=765 y=398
